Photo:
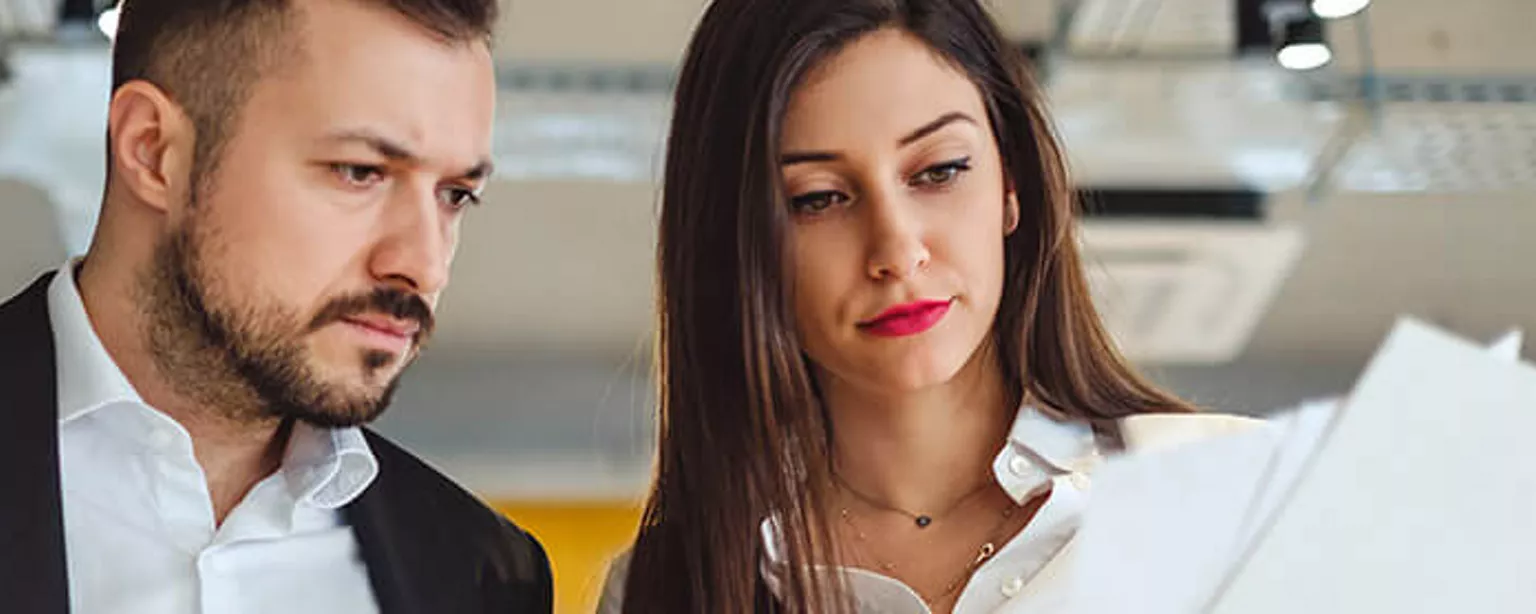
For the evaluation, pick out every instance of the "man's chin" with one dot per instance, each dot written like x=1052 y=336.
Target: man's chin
x=341 y=409
x=353 y=398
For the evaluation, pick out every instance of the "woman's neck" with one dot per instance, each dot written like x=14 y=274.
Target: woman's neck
x=921 y=450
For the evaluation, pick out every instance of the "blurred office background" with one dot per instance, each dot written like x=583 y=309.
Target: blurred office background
x=1256 y=225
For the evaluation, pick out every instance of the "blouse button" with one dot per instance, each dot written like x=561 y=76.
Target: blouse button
x=1012 y=587
x=1019 y=466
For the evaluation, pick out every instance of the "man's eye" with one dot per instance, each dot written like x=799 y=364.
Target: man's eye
x=458 y=198
x=358 y=175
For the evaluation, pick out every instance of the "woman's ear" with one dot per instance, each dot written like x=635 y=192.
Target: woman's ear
x=1011 y=213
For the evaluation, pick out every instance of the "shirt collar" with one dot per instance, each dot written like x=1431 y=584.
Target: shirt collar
x=88 y=379
x=1041 y=448
x=324 y=468
x=328 y=468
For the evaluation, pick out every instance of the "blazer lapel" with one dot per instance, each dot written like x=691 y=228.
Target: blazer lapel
x=411 y=562
x=391 y=559
x=33 y=574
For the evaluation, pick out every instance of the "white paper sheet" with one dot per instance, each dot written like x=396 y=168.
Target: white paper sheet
x=1422 y=498
x=1137 y=529
x=1310 y=514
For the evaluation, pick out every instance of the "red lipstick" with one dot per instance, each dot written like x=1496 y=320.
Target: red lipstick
x=906 y=319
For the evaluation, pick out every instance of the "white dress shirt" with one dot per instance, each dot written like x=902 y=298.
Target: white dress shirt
x=1031 y=573
x=139 y=527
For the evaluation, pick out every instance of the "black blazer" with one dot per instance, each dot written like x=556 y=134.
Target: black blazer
x=430 y=547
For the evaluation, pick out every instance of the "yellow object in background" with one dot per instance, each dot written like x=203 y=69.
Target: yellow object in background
x=581 y=538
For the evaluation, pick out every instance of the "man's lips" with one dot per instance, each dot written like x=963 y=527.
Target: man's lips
x=392 y=327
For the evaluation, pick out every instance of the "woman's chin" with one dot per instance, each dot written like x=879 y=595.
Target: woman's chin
x=911 y=368
x=915 y=374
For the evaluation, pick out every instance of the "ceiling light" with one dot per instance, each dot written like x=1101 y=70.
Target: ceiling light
x=1302 y=46
x=107 y=21
x=1335 y=9
x=1305 y=56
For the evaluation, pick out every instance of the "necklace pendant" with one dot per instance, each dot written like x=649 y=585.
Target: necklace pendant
x=923 y=521
x=987 y=550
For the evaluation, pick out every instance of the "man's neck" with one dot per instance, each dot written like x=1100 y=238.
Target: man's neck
x=234 y=460
x=921 y=450
x=234 y=454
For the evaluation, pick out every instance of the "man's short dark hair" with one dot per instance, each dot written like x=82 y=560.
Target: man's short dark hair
x=207 y=54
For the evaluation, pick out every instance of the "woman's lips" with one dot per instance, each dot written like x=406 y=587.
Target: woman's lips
x=906 y=319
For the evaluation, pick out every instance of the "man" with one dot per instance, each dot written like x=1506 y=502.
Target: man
x=184 y=404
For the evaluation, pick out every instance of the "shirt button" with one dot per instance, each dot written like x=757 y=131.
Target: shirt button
x=1012 y=587
x=1078 y=480
x=1019 y=466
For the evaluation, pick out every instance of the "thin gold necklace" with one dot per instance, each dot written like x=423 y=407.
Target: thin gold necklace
x=922 y=521
x=983 y=554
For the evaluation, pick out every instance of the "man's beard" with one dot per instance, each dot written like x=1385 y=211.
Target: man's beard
x=248 y=362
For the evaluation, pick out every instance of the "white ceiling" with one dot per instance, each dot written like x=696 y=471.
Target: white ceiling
x=650 y=31
x=630 y=31
x=1123 y=27
x=1467 y=37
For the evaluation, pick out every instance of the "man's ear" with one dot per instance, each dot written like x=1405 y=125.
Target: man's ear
x=151 y=140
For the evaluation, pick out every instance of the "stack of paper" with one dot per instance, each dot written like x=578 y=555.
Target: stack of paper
x=1417 y=493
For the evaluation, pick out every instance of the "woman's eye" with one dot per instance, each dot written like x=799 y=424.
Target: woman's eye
x=943 y=173
x=816 y=202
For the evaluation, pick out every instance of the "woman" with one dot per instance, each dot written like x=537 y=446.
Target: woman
x=882 y=379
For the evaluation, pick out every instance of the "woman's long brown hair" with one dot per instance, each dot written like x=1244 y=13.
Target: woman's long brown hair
x=742 y=434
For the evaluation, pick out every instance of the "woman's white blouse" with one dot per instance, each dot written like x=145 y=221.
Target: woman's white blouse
x=1029 y=574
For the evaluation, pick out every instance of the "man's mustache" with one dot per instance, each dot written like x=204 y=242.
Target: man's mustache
x=383 y=301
